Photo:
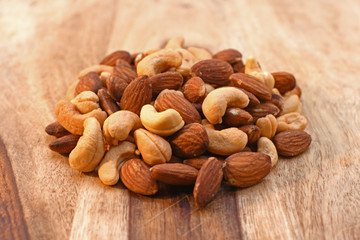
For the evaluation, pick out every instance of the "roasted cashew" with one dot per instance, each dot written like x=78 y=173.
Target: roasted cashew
x=175 y=43
x=110 y=166
x=208 y=89
x=216 y=102
x=225 y=142
x=158 y=62
x=162 y=123
x=118 y=126
x=266 y=146
x=90 y=148
x=103 y=77
x=86 y=101
x=267 y=125
x=187 y=61
x=293 y=120
x=200 y=53
x=72 y=120
x=95 y=68
x=153 y=148
x=70 y=93
x=253 y=68
x=291 y=104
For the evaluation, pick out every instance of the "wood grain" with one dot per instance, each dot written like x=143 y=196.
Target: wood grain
x=46 y=43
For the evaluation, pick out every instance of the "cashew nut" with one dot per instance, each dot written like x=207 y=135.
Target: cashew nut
x=162 y=123
x=118 y=126
x=208 y=89
x=267 y=125
x=291 y=104
x=290 y=121
x=71 y=93
x=187 y=61
x=153 y=148
x=158 y=62
x=86 y=101
x=110 y=166
x=225 y=142
x=103 y=77
x=95 y=68
x=72 y=120
x=175 y=43
x=266 y=146
x=90 y=148
x=200 y=53
x=216 y=102
x=253 y=68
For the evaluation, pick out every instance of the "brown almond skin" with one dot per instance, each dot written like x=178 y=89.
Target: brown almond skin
x=291 y=143
x=284 y=81
x=110 y=59
x=124 y=72
x=137 y=94
x=196 y=162
x=166 y=80
x=251 y=84
x=229 y=55
x=252 y=131
x=245 y=169
x=191 y=141
x=56 y=129
x=212 y=71
x=234 y=117
x=263 y=109
x=116 y=86
x=174 y=173
x=107 y=104
x=180 y=104
x=278 y=101
x=64 y=144
x=239 y=67
x=89 y=82
x=136 y=176
x=208 y=182
x=194 y=90
x=253 y=100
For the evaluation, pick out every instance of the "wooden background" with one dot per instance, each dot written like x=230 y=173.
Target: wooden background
x=44 y=44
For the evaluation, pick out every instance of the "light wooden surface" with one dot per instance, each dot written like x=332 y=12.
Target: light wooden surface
x=44 y=44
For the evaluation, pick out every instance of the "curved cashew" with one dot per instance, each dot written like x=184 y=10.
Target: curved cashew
x=118 y=126
x=267 y=125
x=291 y=104
x=252 y=65
x=200 y=53
x=253 y=68
x=95 y=68
x=71 y=93
x=158 y=62
x=175 y=43
x=72 y=120
x=90 y=148
x=110 y=166
x=290 y=121
x=225 y=142
x=266 y=146
x=162 y=123
x=86 y=101
x=216 y=102
x=187 y=61
x=153 y=148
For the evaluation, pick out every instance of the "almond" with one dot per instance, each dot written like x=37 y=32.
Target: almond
x=278 y=101
x=296 y=91
x=116 y=86
x=208 y=182
x=245 y=169
x=284 y=81
x=136 y=176
x=194 y=90
x=110 y=59
x=229 y=55
x=180 y=104
x=235 y=117
x=174 y=173
x=253 y=100
x=64 y=144
x=89 y=82
x=166 y=80
x=252 y=131
x=55 y=129
x=290 y=143
x=239 y=67
x=191 y=141
x=196 y=162
x=251 y=84
x=263 y=109
x=137 y=94
x=124 y=72
x=106 y=102
x=213 y=71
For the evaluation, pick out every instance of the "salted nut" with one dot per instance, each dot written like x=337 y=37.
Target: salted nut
x=290 y=121
x=90 y=148
x=72 y=120
x=163 y=123
x=110 y=165
x=267 y=125
x=216 y=102
x=200 y=53
x=158 y=62
x=266 y=146
x=86 y=101
x=253 y=68
x=153 y=148
x=118 y=126
x=226 y=141
x=291 y=104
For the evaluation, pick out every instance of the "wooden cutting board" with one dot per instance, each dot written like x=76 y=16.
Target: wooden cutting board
x=44 y=44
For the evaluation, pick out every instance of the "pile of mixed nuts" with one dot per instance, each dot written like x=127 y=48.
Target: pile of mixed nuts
x=180 y=116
